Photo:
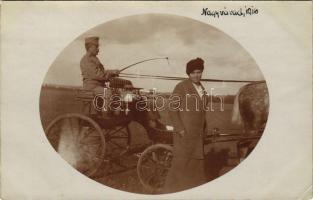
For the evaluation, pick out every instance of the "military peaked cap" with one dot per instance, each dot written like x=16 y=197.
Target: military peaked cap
x=92 y=40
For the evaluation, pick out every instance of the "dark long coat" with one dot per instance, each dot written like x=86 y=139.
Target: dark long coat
x=187 y=168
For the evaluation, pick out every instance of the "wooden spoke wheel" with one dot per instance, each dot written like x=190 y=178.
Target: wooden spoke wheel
x=153 y=166
x=79 y=140
x=118 y=140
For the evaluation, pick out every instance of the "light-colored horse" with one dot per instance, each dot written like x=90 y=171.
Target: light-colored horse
x=251 y=106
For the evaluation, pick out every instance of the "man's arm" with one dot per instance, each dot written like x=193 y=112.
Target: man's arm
x=93 y=69
x=98 y=73
x=102 y=74
x=111 y=73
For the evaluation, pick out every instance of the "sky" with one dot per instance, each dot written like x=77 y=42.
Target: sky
x=127 y=40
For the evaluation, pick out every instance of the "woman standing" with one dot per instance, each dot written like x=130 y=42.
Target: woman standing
x=188 y=118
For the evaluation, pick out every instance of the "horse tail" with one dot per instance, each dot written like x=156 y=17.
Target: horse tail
x=236 y=117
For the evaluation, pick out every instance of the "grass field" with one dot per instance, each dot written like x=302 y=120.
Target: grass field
x=57 y=101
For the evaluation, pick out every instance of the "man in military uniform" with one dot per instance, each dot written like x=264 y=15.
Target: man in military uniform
x=94 y=76
x=92 y=70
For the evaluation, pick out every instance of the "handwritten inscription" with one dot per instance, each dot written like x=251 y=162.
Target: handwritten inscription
x=241 y=12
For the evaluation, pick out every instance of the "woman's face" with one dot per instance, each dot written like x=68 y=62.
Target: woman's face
x=195 y=76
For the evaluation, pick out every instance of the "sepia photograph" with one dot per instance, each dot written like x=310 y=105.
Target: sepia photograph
x=154 y=103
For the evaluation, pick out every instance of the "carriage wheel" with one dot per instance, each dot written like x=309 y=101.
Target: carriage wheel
x=118 y=140
x=153 y=166
x=79 y=140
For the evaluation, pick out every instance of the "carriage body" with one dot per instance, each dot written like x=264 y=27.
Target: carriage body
x=104 y=135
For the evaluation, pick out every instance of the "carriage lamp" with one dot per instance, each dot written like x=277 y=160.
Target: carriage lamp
x=107 y=84
x=169 y=128
x=128 y=98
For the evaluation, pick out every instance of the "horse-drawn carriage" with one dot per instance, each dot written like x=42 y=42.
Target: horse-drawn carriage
x=95 y=142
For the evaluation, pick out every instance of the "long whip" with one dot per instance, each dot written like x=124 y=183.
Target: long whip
x=124 y=68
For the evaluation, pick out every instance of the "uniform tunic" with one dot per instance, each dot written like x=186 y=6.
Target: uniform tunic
x=187 y=168
x=93 y=72
x=94 y=76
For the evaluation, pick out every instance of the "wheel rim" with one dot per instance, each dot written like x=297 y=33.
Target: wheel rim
x=79 y=140
x=153 y=166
